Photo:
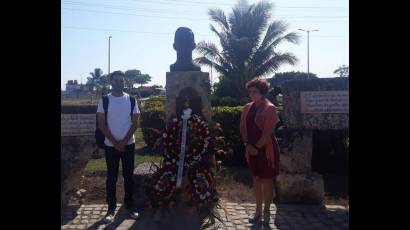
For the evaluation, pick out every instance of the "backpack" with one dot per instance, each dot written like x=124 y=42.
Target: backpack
x=99 y=136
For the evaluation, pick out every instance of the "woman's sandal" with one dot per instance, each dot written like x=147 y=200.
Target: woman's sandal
x=255 y=218
x=266 y=216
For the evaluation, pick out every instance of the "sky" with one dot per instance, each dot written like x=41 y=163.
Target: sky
x=143 y=31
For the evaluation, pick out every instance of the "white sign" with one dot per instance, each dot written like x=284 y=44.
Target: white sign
x=324 y=101
x=77 y=124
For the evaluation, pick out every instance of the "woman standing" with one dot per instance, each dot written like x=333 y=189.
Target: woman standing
x=258 y=121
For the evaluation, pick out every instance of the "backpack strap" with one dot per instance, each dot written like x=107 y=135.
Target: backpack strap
x=105 y=106
x=132 y=100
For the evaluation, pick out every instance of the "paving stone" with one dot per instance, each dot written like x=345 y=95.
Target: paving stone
x=237 y=222
x=76 y=221
x=298 y=217
x=231 y=204
x=228 y=224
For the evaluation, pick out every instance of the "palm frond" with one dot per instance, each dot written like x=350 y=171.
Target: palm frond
x=209 y=50
x=274 y=63
x=223 y=38
x=272 y=39
x=274 y=30
x=207 y=62
x=218 y=16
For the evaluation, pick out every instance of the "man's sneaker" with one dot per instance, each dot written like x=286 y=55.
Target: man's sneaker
x=109 y=218
x=133 y=214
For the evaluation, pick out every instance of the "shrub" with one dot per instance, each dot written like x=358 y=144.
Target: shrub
x=229 y=119
x=154 y=103
x=153 y=119
x=227 y=101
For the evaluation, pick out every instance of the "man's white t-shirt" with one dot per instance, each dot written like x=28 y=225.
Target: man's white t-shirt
x=118 y=117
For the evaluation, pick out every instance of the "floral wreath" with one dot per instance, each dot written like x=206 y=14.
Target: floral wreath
x=200 y=190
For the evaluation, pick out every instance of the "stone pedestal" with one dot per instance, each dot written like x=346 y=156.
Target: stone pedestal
x=194 y=84
x=307 y=188
x=296 y=151
x=296 y=183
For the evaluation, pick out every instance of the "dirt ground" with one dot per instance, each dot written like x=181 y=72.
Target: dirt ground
x=231 y=191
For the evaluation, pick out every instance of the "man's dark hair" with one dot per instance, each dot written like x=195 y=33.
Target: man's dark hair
x=116 y=73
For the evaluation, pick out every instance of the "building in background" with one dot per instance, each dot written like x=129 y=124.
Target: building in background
x=73 y=90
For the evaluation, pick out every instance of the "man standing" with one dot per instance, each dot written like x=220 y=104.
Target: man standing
x=118 y=122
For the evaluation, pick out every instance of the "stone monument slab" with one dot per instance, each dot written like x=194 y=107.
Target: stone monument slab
x=321 y=103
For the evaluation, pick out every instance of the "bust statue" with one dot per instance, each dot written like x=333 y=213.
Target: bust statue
x=184 y=44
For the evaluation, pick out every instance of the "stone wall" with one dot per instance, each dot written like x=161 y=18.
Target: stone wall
x=77 y=145
x=326 y=110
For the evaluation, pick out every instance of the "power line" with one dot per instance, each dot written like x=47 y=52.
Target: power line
x=168 y=11
x=159 y=33
x=165 y=17
x=190 y=3
x=119 y=30
x=139 y=15
x=122 y=7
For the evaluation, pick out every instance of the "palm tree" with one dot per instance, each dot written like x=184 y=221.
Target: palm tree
x=97 y=82
x=248 y=43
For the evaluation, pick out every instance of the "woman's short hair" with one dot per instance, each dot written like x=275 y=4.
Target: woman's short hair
x=261 y=84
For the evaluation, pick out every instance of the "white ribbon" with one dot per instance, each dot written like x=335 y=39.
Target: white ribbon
x=185 y=117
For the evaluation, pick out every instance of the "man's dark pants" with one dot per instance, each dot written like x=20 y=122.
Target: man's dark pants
x=112 y=159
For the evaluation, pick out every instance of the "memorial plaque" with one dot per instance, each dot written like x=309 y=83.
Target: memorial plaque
x=77 y=124
x=324 y=101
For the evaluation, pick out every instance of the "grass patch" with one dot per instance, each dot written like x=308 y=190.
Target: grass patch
x=97 y=167
x=138 y=136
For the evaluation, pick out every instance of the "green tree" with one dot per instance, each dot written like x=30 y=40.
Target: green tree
x=226 y=88
x=134 y=76
x=342 y=71
x=142 y=79
x=131 y=76
x=279 y=78
x=249 y=44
